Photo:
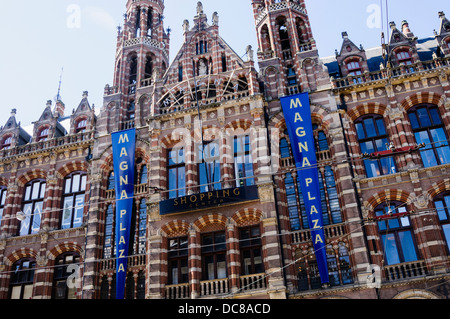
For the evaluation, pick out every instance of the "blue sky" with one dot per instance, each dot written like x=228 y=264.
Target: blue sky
x=41 y=37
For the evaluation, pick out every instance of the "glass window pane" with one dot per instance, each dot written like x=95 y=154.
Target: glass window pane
x=380 y=126
x=36 y=226
x=79 y=209
x=392 y=256
x=370 y=127
x=435 y=116
x=221 y=266
x=446 y=229
x=360 y=131
x=42 y=194
x=76 y=183
x=28 y=192
x=35 y=193
x=424 y=118
x=413 y=120
x=67 y=213
x=440 y=210
x=408 y=247
x=83 y=183
x=67 y=189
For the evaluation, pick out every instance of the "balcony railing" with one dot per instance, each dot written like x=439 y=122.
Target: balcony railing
x=331 y=231
x=403 y=70
x=405 y=271
x=214 y=287
x=140 y=189
x=133 y=261
x=217 y=287
x=62 y=141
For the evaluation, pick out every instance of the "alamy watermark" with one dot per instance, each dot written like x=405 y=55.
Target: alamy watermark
x=375 y=16
x=73 y=20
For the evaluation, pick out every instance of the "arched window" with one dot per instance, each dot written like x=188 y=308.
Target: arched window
x=73 y=200
x=372 y=137
x=396 y=234
x=133 y=74
x=143 y=178
x=148 y=67
x=22 y=277
x=142 y=231
x=291 y=76
x=111 y=182
x=108 y=242
x=284 y=38
x=442 y=204
x=2 y=202
x=354 y=68
x=33 y=202
x=61 y=289
x=428 y=128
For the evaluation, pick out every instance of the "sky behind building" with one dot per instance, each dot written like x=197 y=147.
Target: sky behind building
x=39 y=38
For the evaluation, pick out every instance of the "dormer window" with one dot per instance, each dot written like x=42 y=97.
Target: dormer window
x=81 y=126
x=404 y=58
x=43 y=134
x=354 y=68
x=6 y=143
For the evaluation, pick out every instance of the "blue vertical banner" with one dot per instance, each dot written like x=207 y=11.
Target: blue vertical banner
x=124 y=149
x=297 y=114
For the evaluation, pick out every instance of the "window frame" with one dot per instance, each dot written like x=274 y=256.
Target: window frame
x=208 y=165
x=433 y=127
x=20 y=271
x=179 y=166
x=178 y=254
x=75 y=192
x=396 y=227
x=3 y=195
x=61 y=276
x=250 y=244
x=381 y=163
x=444 y=210
x=242 y=150
x=217 y=251
x=29 y=200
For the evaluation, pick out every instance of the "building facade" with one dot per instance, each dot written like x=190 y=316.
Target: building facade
x=218 y=209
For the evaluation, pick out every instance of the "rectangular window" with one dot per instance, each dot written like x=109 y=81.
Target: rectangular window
x=243 y=161
x=32 y=208
x=209 y=167
x=214 y=256
x=176 y=173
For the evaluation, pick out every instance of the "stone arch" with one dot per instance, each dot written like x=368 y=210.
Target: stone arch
x=367 y=108
x=423 y=98
x=175 y=228
x=210 y=219
x=31 y=175
x=70 y=168
x=63 y=248
x=20 y=254
x=416 y=294
x=438 y=188
x=247 y=217
x=388 y=194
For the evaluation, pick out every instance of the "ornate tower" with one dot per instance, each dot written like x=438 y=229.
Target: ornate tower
x=142 y=57
x=288 y=56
